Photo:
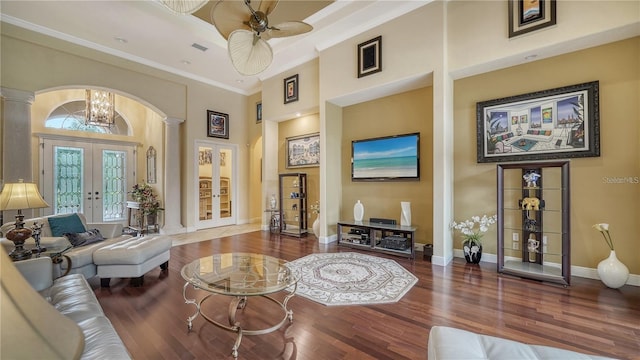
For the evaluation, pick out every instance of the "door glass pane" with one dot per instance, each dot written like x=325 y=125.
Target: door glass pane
x=68 y=179
x=205 y=168
x=225 y=182
x=114 y=192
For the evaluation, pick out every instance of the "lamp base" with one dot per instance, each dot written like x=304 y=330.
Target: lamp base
x=19 y=235
x=20 y=253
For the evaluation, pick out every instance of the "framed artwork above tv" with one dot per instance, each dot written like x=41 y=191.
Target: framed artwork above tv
x=389 y=158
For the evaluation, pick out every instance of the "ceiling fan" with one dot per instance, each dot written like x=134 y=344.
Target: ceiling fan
x=246 y=29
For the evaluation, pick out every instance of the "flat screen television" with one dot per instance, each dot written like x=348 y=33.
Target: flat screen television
x=386 y=158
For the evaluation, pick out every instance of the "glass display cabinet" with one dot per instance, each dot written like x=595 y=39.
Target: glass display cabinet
x=533 y=221
x=293 y=204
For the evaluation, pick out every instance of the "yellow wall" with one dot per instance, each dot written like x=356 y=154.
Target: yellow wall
x=297 y=127
x=404 y=113
x=594 y=198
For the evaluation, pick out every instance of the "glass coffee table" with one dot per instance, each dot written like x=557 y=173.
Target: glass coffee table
x=239 y=276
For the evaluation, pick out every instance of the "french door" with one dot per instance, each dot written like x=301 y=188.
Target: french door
x=91 y=178
x=215 y=176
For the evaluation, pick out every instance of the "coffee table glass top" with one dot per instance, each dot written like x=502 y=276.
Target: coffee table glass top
x=239 y=274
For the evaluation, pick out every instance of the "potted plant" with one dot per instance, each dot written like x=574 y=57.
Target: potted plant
x=472 y=231
x=149 y=205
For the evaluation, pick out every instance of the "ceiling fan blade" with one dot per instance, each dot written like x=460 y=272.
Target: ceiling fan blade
x=267 y=6
x=289 y=28
x=249 y=53
x=184 y=7
x=228 y=16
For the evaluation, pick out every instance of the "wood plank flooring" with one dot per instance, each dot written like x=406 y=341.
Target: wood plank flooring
x=585 y=317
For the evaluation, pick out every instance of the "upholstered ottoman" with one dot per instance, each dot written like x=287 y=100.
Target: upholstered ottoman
x=132 y=258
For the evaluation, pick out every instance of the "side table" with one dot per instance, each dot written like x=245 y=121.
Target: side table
x=274 y=220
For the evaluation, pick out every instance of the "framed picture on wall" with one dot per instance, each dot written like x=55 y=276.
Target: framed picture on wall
x=291 y=89
x=217 y=124
x=530 y=15
x=303 y=151
x=370 y=57
x=550 y=124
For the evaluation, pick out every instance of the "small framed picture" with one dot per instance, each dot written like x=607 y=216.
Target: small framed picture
x=258 y=112
x=530 y=15
x=217 y=124
x=291 y=89
x=370 y=57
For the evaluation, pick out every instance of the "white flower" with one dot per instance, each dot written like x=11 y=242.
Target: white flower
x=468 y=227
x=604 y=230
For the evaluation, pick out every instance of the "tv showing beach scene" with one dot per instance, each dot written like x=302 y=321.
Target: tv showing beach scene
x=386 y=158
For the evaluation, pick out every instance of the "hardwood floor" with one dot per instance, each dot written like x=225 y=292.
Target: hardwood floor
x=585 y=317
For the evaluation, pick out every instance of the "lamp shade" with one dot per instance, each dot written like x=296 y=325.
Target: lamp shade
x=21 y=195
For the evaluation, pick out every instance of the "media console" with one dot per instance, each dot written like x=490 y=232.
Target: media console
x=384 y=238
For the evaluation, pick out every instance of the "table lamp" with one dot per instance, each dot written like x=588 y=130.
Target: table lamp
x=18 y=196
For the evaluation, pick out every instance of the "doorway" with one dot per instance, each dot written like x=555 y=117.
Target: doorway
x=215 y=184
x=90 y=178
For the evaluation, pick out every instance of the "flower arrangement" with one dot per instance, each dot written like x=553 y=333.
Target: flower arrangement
x=470 y=232
x=148 y=200
x=604 y=230
x=315 y=208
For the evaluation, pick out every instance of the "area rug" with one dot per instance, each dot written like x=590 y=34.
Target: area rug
x=524 y=144
x=351 y=279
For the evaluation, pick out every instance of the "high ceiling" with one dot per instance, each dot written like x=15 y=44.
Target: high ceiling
x=148 y=33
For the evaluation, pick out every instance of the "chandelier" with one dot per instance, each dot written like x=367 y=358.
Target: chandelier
x=100 y=108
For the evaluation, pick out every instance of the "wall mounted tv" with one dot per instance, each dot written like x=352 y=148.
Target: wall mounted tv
x=386 y=158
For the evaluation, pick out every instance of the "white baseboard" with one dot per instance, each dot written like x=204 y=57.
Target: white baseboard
x=579 y=271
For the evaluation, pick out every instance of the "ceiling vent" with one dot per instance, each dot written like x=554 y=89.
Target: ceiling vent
x=199 y=47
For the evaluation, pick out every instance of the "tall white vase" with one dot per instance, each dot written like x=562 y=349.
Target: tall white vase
x=405 y=213
x=612 y=272
x=316 y=227
x=358 y=211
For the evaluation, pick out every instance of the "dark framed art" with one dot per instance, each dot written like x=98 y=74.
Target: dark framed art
x=259 y=112
x=291 y=89
x=370 y=57
x=217 y=124
x=303 y=151
x=551 y=124
x=530 y=15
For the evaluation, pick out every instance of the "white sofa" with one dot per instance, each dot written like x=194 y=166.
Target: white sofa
x=446 y=343
x=81 y=257
x=47 y=319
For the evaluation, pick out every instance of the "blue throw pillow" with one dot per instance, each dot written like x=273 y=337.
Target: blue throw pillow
x=61 y=225
x=84 y=238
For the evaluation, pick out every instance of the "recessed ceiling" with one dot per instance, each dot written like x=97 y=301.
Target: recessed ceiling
x=146 y=32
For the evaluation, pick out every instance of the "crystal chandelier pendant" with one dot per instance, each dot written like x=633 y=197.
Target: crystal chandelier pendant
x=100 y=108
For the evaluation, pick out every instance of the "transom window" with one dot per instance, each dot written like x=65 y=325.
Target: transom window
x=71 y=116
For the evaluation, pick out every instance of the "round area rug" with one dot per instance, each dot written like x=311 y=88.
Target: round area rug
x=351 y=279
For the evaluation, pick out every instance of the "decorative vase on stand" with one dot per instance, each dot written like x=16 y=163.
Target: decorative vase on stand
x=272 y=202
x=612 y=271
x=316 y=227
x=472 y=251
x=358 y=211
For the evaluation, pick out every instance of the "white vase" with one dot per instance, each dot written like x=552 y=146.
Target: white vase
x=358 y=211
x=612 y=272
x=272 y=202
x=316 y=227
x=405 y=213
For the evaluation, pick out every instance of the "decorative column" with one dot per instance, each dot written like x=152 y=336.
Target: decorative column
x=16 y=135
x=171 y=178
x=16 y=141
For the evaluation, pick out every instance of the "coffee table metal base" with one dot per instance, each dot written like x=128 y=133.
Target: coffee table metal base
x=238 y=302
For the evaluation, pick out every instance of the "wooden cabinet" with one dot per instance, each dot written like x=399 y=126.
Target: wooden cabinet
x=205 y=208
x=225 y=202
x=293 y=204
x=533 y=220
x=384 y=238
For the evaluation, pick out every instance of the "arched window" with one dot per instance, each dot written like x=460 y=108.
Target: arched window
x=71 y=116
